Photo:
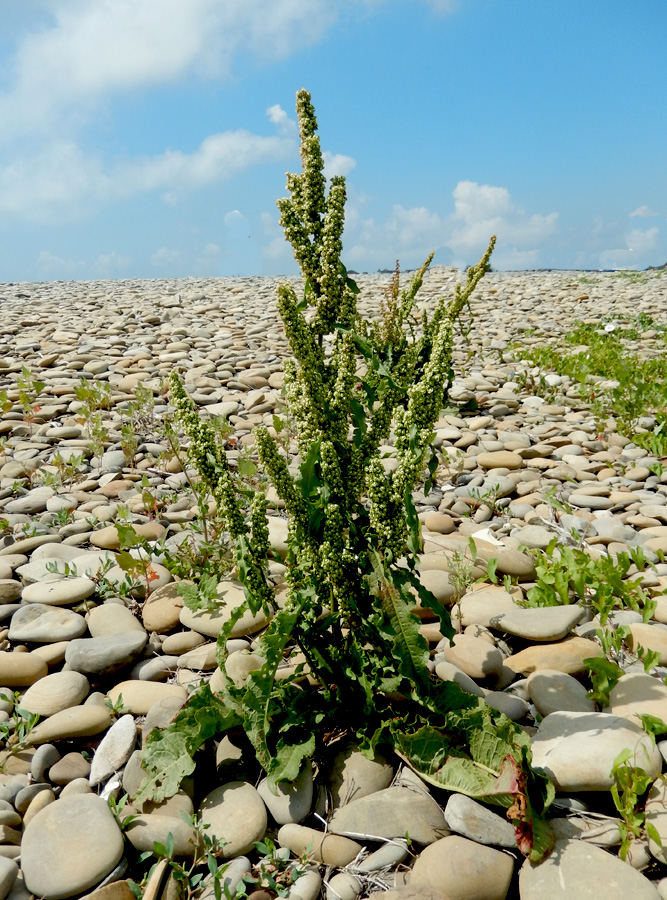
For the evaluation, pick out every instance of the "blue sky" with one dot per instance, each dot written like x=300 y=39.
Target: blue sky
x=150 y=138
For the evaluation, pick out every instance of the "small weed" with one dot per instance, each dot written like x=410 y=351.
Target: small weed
x=29 y=390
x=630 y=785
x=14 y=732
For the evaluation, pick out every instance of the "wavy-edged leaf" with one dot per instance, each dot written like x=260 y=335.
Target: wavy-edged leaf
x=494 y=770
x=288 y=759
x=168 y=756
x=260 y=684
x=408 y=648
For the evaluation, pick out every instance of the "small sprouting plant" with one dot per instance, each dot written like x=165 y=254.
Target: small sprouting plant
x=94 y=396
x=115 y=707
x=117 y=807
x=275 y=872
x=568 y=574
x=138 y=421
x=29 y=390
x=631 y=784
x=14 y=732
x=202 y=871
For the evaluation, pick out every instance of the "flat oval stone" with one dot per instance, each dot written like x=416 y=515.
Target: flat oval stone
x=39 y=623
x=391 y=813
x=147 y=828
x=114 y=750
x=162 y=609
x=577 y=750
x=293 y=801
x=105 y=654
x=482 y=606
x=64 y=592
x=638 y=694
x=55 y=693
x=77 y=721
x=10 y=590
x=578 y=870
x=112 y=618
x=70 y=846
x=329 y=849
x=553 y=691
x=454 y=861
x=478 y=823
x=236 y=815
x=548 y=623
x=21 y=669
x=139 y=696
x=474 y=656
x=565 y=656
x=499 y=459
x=210 y=624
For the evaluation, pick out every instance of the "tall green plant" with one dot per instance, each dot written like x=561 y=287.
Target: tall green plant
x=353 y=537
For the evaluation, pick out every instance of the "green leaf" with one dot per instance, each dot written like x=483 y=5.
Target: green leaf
x=259 y=684
x=170 y=846
x=309 y=480
x=168 y=756
x=652 y=724
x=127 y=536
x=495 y=769
x=247 y=467
x=288 y=760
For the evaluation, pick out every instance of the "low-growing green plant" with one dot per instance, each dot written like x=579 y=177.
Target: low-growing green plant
x=568 y=575
x=14 y=732
x=628 y=791
x=29 y=390
x=275 y=871
x=610 y=376
x=94 y=396
x=353 y=541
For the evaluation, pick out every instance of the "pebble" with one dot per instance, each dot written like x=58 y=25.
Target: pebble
x=580 y=869
x=70 y=846
x=105 y=654
x=55 y=692
x=577 y=749
x=77 y=721
x=511 y=453
x=553 y=691
x=330 y=849
x=391 y=813
x=292 y=800
x=236 y=815
x=39 y=622
x=478 y=823
x=114 y=750
x=463 y=870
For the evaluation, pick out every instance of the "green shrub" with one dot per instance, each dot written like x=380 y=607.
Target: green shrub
x=353 y=540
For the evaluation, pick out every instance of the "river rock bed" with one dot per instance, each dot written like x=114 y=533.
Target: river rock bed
x=101 y=664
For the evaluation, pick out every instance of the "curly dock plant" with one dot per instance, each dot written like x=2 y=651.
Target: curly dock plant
x=353 y=539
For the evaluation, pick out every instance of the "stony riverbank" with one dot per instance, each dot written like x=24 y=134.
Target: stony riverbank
x=102 y=664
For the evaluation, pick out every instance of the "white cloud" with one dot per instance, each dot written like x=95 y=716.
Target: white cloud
x=165 y=258
x=62 y=182
x=109 y=263
x=337 y=164
x=91 y=51
x=481 y=210
x=641 y=241
x=643 y=211
x=55 y=265
x=643 y=246
x=209 y=259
